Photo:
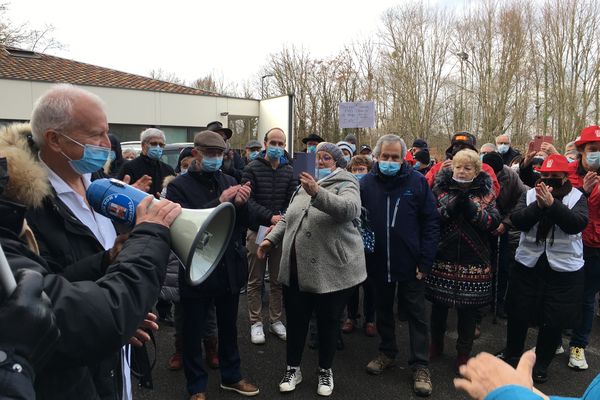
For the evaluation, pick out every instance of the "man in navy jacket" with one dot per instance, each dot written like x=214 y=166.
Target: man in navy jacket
x=403 y=214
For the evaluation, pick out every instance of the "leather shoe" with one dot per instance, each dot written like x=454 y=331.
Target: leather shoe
x=198 y=396
x=242 y=387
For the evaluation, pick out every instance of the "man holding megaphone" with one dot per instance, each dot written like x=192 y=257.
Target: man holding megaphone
x=206 y=186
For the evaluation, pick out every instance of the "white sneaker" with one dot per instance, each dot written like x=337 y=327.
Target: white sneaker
x=325 y=387
x=257 y=335
x=559 y=350
x=291 y=378
x=577 y=358
x=278 y=329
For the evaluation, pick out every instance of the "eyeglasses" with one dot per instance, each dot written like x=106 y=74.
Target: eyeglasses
x=325 y=158
x=154 y=144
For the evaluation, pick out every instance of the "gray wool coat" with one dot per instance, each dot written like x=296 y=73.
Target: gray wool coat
x=329 y=249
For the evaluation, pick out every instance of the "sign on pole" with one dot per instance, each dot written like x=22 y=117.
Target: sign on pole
x=358 y=114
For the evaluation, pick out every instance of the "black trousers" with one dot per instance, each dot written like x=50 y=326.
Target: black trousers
x=467 y=319
x=299 y=307
x=368 y=287
x=547 y=340
x=411 y=303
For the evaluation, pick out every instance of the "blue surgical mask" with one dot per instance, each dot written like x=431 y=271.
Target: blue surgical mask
x=347 y=158
x=417 y=165
x=323 y=173
x=389 y=168
x=253 y=155
x=359 y=176
x=353 y=147
x=211 y=164
x=503 y=148
x=311 y=149
x=593 y=159
x=155 y=152
x=481 y=156
x=93 y=159
x=274 y=152
x=183 y=171
x=369 y=157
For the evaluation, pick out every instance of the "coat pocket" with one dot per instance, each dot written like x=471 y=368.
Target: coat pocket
x=341 y=252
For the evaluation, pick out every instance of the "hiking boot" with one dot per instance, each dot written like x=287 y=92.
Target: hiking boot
x=422 y=382
x=211 y=351
x=176 y=360
x=370 y=329
x=348 y=326
x=577 y=359
x=257 y=335
x=325 y=387
x=242 y=387
x=380 y=364
x=278 y=329
x=291 y=378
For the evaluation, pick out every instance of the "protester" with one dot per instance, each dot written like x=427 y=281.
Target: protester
x=184 y=160
x=205 y=186
x=487 y=148
x=571 y=151
x=115 y=164
x=365 y=150
x=351 y=139
x=311 y=142
x=321 y=217
x=233 y=164
x=584 y=176
x=505 y=149
x=423 y=161
x=129 y=155
x=253 y=149
x=271 y=178
x=28 y=335
x=546 y=284
x=403 y=216
x=461 y=276
x=148 y=164
x=347 y=150
x=418 y=145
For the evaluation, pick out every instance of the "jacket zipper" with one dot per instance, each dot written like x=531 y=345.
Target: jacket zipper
x=395 y=213
x=388 y=240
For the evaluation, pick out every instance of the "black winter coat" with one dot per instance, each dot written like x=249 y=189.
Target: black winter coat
x=97 y=316
x=198 y=190
x=510 y=155
x=272 y=190
x=144 y=165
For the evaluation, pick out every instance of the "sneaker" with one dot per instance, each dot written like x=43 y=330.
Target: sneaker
x=278 y=329
x=380 y=364
x=242 y=387
x=348 y=326
x=291 y=378
x=370 y=329
x=577 y=359
x=422 y=382
x=559 y=350
x=257 y=335
x=325 y=387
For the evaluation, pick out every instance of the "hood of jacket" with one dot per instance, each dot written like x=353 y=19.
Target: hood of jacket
x=27 y=179
x=481 y=186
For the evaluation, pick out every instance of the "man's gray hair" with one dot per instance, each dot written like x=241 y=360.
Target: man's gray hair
x=150 y=133
x=492 y=145
x=388 y=139
x=54 y=110
x=505 y=134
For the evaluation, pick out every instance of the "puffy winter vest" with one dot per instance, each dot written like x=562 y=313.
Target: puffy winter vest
x=565 y=254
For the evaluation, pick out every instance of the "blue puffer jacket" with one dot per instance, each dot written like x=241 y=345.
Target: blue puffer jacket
x=403 y=214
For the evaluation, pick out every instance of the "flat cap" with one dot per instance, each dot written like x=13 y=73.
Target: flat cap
x=209 y=140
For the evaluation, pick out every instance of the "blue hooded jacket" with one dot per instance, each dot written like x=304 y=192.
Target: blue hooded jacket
x=403 y=215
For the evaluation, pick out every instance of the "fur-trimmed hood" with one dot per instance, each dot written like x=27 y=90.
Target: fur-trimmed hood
x=27 y=180
x=481 y=186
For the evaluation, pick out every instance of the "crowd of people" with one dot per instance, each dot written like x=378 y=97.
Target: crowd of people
x=486 y=227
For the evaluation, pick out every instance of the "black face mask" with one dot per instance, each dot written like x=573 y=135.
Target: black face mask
x=554 y=183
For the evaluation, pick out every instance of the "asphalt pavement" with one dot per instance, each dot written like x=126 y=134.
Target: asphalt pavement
x=264 y=365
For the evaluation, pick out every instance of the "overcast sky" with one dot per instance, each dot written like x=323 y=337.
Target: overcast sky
x=231 y=38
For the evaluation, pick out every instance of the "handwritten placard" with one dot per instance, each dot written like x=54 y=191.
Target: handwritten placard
x=358 y=114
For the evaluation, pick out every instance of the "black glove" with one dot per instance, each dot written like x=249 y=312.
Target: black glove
x=28 y=324
x=469 y=209
x=453 y=205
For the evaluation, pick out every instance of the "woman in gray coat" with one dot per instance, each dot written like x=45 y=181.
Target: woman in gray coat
x=322 y=260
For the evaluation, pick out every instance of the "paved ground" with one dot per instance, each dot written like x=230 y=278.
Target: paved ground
x=264 y=366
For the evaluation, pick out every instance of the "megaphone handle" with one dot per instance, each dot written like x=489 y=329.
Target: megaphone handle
x=7 y=279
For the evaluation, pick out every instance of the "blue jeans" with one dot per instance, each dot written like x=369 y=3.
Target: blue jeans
x=581 y=335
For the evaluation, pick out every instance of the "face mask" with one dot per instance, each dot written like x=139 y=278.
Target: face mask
x=274 y=153
x=184 y=171
x=569 y=159
x=253 y=155
x=311 y=149
x=211 y=164
x=537 y=160
x=347 y=158
x=389 y=168
x=94 y=157
x=554 y=183
x=155 y=152
x=503 y=148
x=353 y=147
x=593 y=159
x=462 y=181
x=369 y=157
x=515 y=167
x=359 y=176
x=481 y=156
x=323 y=173
x=417 y=165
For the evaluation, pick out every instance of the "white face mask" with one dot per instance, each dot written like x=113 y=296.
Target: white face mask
x=462 y=180
x=515 y=167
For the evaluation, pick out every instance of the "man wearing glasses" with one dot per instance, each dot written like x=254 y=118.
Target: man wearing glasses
x=148 y=164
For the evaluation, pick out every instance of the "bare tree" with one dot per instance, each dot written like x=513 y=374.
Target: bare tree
x=23 y=36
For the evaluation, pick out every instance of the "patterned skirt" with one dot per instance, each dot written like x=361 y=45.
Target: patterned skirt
x=458 y=285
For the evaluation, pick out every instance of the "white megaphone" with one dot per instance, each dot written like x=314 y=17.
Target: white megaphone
x=198 y=237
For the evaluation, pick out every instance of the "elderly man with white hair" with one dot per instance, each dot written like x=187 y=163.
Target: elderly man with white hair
x=505 y=149
x=148 y=164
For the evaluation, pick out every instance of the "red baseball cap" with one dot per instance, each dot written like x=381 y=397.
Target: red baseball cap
x=555 y=163
x=409 y=158
x=588 y=134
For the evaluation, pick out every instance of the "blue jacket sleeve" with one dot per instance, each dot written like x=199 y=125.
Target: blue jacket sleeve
x=430 y=229
x=515 y=392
